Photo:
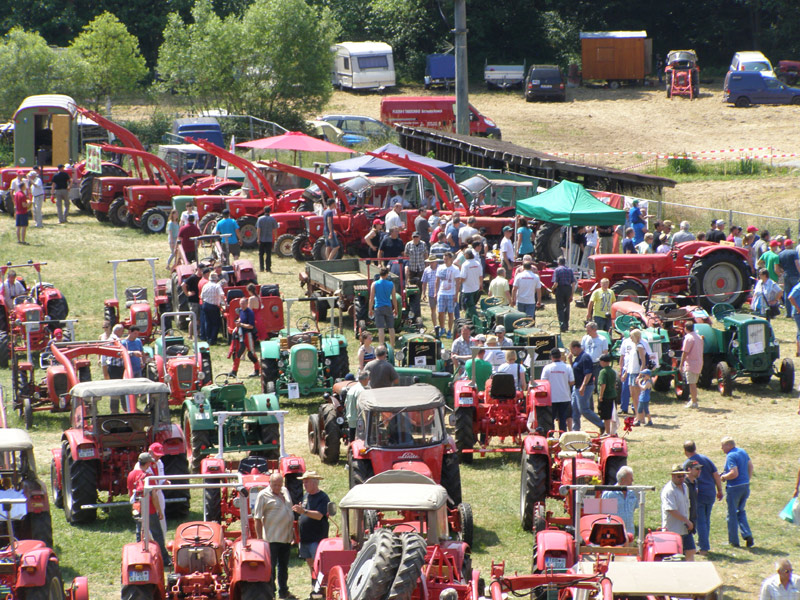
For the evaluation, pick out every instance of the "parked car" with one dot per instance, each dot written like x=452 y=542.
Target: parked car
x=358 y=130
x=752 y=61
x=743 y=88
x=545 y=82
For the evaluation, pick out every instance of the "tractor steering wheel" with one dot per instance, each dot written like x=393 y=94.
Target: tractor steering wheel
x=524 y=323
x=106 y=426
x=203 y=534
x=493 y=301
x=24 y=299
x=226 y=378
x=299 y=338
x=578 y=445
x=304 y=323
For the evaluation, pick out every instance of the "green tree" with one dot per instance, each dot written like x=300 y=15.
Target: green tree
x=112 y=53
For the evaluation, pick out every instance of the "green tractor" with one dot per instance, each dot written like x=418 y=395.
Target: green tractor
x=258 y=435
x=303 y=361
x=541 y=340
x=420 y=358
x=745 y=347
x=490 y=313
x=666 y=369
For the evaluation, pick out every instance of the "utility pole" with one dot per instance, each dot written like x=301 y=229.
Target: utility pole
x=462 y=92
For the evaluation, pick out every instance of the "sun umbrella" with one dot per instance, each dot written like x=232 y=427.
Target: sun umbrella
x=294 y=140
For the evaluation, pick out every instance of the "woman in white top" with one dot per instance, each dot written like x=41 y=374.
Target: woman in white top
x=635 y=361
x=516 y=370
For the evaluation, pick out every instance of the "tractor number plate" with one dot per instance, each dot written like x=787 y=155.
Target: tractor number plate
x=85 y=452
x=555 y=562
x=139 y=576
x=467 y=401
x=535 y=81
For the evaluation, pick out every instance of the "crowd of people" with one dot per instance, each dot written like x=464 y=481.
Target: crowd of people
x=28 y=193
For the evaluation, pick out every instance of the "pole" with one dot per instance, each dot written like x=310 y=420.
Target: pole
x=462 y=93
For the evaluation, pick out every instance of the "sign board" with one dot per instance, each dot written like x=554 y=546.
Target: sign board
x=93 y=159
x=293 y=391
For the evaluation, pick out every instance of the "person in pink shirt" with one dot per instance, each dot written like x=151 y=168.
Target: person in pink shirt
x=692 y=362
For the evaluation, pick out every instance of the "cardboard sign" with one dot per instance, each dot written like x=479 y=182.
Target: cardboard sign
x=420 y=361
x=294 y=391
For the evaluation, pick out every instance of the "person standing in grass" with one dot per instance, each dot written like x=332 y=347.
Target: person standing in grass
x=383 y=306
x=428 y=284
x=782 y=585
x=645 y=383
x=771 y=259
x=709 y=489
x=606 y=393
x=675 y=510
x=691 y=363
x=37 y=193
x=599 y=307
x=21 y=211
x=274 y=523
x=60 y=185
x=737 y=474
x=173 y=229
x=561 y=378
x=524 y=245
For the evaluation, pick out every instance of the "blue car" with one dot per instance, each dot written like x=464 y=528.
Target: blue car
x=743 y=88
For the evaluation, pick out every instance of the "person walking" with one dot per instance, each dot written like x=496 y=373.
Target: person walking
x=381 y=371
x=789 y=267
x=633 y=361
x=446 y=295
x=691 y=363
x=428 y=285
x=783 y=585
x=37 y=194
x=230 y=236
x=173 y=229
x=583 y=388
x=507 y=253
x=313 y=518
x=274 y=523
x=213 y=300
x=607 y=394
x=564 y=284
x=675 y=510
x=21 y=206
x=599 y=307
x=737 y=474
x=383 y=305
x=526 y=292
x=709 y=489
x=265 y=229
x=561 y=378
x=59 y=187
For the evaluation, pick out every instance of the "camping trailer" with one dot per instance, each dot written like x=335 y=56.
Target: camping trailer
x=45 y=131
x=363 y=66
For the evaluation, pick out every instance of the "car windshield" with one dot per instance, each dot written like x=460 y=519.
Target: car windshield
x=756 y=66
x=405 y=429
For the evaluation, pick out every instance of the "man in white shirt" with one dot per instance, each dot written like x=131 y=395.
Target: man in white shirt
x=446 y=294
x=507 y=254
x=594 y=345
x=527 y=291
x=393 y=219
x=397 y=198
x=471 y=280
x=37 y=192
x=783 y=585
x=213 y=299
x=561 y=378
x=11 y=288
x=465 y=233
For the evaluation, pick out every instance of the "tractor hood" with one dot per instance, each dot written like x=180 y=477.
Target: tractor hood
x=417 y=466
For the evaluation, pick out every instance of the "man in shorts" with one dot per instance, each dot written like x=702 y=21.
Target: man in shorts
x=228 y=229
x=383 y=306
x=328 y=232
x=446 y=294
x=692 y=361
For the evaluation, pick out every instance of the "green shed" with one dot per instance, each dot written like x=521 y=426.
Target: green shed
x=45 y=131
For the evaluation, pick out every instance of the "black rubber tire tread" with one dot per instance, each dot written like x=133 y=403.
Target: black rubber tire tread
x=41 y=527
x=80 y=487
x=414 y=548
x=109 y=315
x=329 y=435
x=212 y=502
x=295 y=487
x=207 y=220
x=630 y=284
x=101 y=216
x=726 y=380
x=268 y=433
x=786 y=375
x=340 y=365
x=533 y=486
x=176 y=464
x=384 y=549
x=285 y=239
x=138 y=592
x=451 y=478
x=662 y=383
x=465 y=434
x=257 y=590
x=248 y=222
x=370 y=520
x=58 y=309
x=269 y=373
x=58 y=496
x=118 y=213
x=613 y=465
x=702 y=265
x=147 y=214
x=542 y=250
x=198 y=440
x=320 y=309
x=297 y=248
x=5 y=350
x=313 y=430
x=53 y=588
x=467 y=533
x=84 y=199
x=706 y=374
x=359 y=470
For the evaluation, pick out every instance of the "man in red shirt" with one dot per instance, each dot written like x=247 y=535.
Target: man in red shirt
x=185 y=235
x=136 y=479
x=21 y=211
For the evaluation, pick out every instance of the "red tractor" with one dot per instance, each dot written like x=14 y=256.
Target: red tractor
x=210 y=561
x=682 y=74
x=29 y=568
x=139 y=311
x=103 y=444
x=706 y=273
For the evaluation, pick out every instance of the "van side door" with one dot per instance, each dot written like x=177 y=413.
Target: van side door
x=775 y=92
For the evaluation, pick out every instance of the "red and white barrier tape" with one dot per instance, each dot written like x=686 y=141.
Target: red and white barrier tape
x=665 y=155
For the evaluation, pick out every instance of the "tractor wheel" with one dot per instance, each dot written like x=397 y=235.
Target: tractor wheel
x=8 y=205
x=742 y=102
x=83 y=202
x=110 y=315
x=248 y=233
x=176 y=464
x=101 y=216
x=724 y=378
x=662 y=383
x=319 y=308
x=722 y=273
x=629 y=289
x=212 y=504
x=786 y=375
x=340 y=365
x=451 y=478
x=370 y=520
x=295 y=487
x=299 y=250
x=682 y=392
x=154 y=220
x=467 y=532
x=58 y=309
x=358 y=470
x=414 y=548
x=318 y=250
x=151 y=372
x=613 y=465
x=198 y=440
x=138 y=592
x=5 y=350
x=80 y=487
x=27 y=411
x=533 y=487
x=41 y=527
x=256 y=590
x=208 y=222
x=58 y=496
x=313 y=433
x=465 y=434
x=53 y=587
x=269 y=433
x=706 y=378
x=329 y=435
x=269 y=373
x=547 y=244
x=374 y=567
x=283 y=245
x=118 y=212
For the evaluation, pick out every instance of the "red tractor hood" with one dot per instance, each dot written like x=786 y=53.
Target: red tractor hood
x=413 y=465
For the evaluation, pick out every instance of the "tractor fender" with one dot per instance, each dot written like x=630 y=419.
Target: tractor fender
x=172 y=438
x=331 y=553
x=212 y=464
x=291 y=465
x=330 y=346
x=539 y=395
x=557 y=541
x=57 y=458
x=250 y=562
x=716 y=248
x=75 y=438
x=613 y=446
x=199 y=420
x=34 y=552
x=535 y=444
x=160 y=366
x=134 y=554
x=270 y=349
x=79 y=590
x=258 y=402
x=464 y=394
x=712 y=338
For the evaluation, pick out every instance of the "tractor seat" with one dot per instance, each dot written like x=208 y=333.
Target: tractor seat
x=603 y=530
x=501 y=387
x=572 y=454
x=192 y=557
x=177 y=350
x=259 y=463
x=569 y=437
x=134 y=295
x=232 y=294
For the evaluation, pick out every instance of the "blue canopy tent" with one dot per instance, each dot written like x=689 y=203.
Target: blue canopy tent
x=377 y=167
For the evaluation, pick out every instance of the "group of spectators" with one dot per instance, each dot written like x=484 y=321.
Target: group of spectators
x=28 y=193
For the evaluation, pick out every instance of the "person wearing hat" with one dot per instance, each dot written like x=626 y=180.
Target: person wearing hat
x=156 y=451
x=374 y=238
x=675 y=510
x=607 y=393
x=499 y=287
x=417 y=251
x=274 y=523
x=136 y=481
x=737 y=474
x=717 y=232
x=231 y=238
x=313 y=520
x=788 y=266
x=645 y=383
x=502 y=340
x=771 y=258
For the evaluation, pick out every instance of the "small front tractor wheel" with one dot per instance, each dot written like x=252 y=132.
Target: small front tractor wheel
x=313 y=433
x=451 y=478
x=465 y=434
x=283 y=245
x=533 y=486
x=319 y=308
x=300 y=252
x=724 y=379
x=248 y=232
x=138 y=592
x=682 y=391
x=375 y=566
x=154 y=220
x=5 y=350
x=613 y=465
x=118 y=212
x=318 y=249
x=359 y=470
x=467 y=532
x=256 y=590
x=786 y=375
x=414 y=548
x=329 y=435
x=662 y=383
x=269 y=435
x=269 y=374
x=212 y=503
x=27 y=411
x=198 y=440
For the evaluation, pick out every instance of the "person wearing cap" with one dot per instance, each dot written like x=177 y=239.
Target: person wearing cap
x=135 y=350
x=313 y=520
x=428 y=284
x=274 y=523
x=737 y=474
x=783 y=585
x=156 y=451
x=788 y=266
x=607 y=393
x=136 y=481
x=771 y=259
x=507 y=254
x=417 y=251
x=717 y=233
x=645 y=383
x=12 y=287
x=709 y=489
x=231 y=237
x=675 y=510
x=374 y=238
x=499 y=287
x=383 y=305
x=59 y=186
x=561 y=379
x=422 y=226
x=583 y=388
x=502 y=340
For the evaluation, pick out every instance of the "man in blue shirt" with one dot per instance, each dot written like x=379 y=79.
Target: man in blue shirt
x=737 y=474
x=135 y=350
x=709 y=489
x=628 y=246
x=637 y=222
x=228 y=229
x=627 y=501
x=582 y=390
x=789 y=263
x=328 y=232
x=383 y=305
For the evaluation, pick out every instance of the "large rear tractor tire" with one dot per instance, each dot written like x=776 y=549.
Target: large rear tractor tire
x=465 y=434
x=414 y=548
x=138 y=592
x=269 y=374
x=374 y=568
x=208 y=222
x=300 y=250
x=786 y=375
x=719 y=277
x=533 y=487
x=467 y=532
x=629 y=289
x=248 y=233
x=80 y=487
x=41 y=527
x=58 y=494
x=53 y=587
x=212 y=503
x=313 y=428
x=5 y=350
x=198 y=440
x=84 y=199
x=359 y=470
x=547 y=244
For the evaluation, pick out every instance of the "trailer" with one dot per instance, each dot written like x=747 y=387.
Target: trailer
x=440 y=69
x=503 y=76
x=616 y=57
x=363 y=66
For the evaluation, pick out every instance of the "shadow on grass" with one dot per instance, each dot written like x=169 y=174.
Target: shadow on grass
x=492 y=460
x=484 y=538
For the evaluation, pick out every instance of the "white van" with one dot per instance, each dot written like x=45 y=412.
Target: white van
x=363 y=66
x=752 y=61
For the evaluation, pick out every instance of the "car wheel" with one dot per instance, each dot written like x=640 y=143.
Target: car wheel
x=742 y=102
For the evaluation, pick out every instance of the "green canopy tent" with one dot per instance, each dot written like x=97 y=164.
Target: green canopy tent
x=569 y=204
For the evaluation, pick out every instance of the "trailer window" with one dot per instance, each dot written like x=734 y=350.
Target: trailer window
x=346 y=63
x=373 y=62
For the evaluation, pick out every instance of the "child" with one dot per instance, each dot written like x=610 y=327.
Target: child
x=429 y=291
x=645 y=383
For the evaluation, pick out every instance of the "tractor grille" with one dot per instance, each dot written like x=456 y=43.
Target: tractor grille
x=142 y=320
x=32 y=315
x=184 y=375
x=60 y=384
x=756 y=338
x=305 y=363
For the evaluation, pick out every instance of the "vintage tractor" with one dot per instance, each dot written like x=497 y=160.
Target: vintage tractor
x=29 y=568
x=103 y=444
x=626 y=317
x=682 y=74
x=18 y=480
x=328 y=428
x=184 y=369
x=139 y=311
x=257 y=433
x=540 y=340
x=745 y=347
x=552 y=459
x=303 y=360
x=420 y=358
x=209 y=560
x=705 y=273
x=490 y=313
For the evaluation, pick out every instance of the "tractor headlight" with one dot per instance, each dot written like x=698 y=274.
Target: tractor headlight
x=327 y=362
x=671 y=353
x=735 y=344
x=201 y=375
x=281 y=364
